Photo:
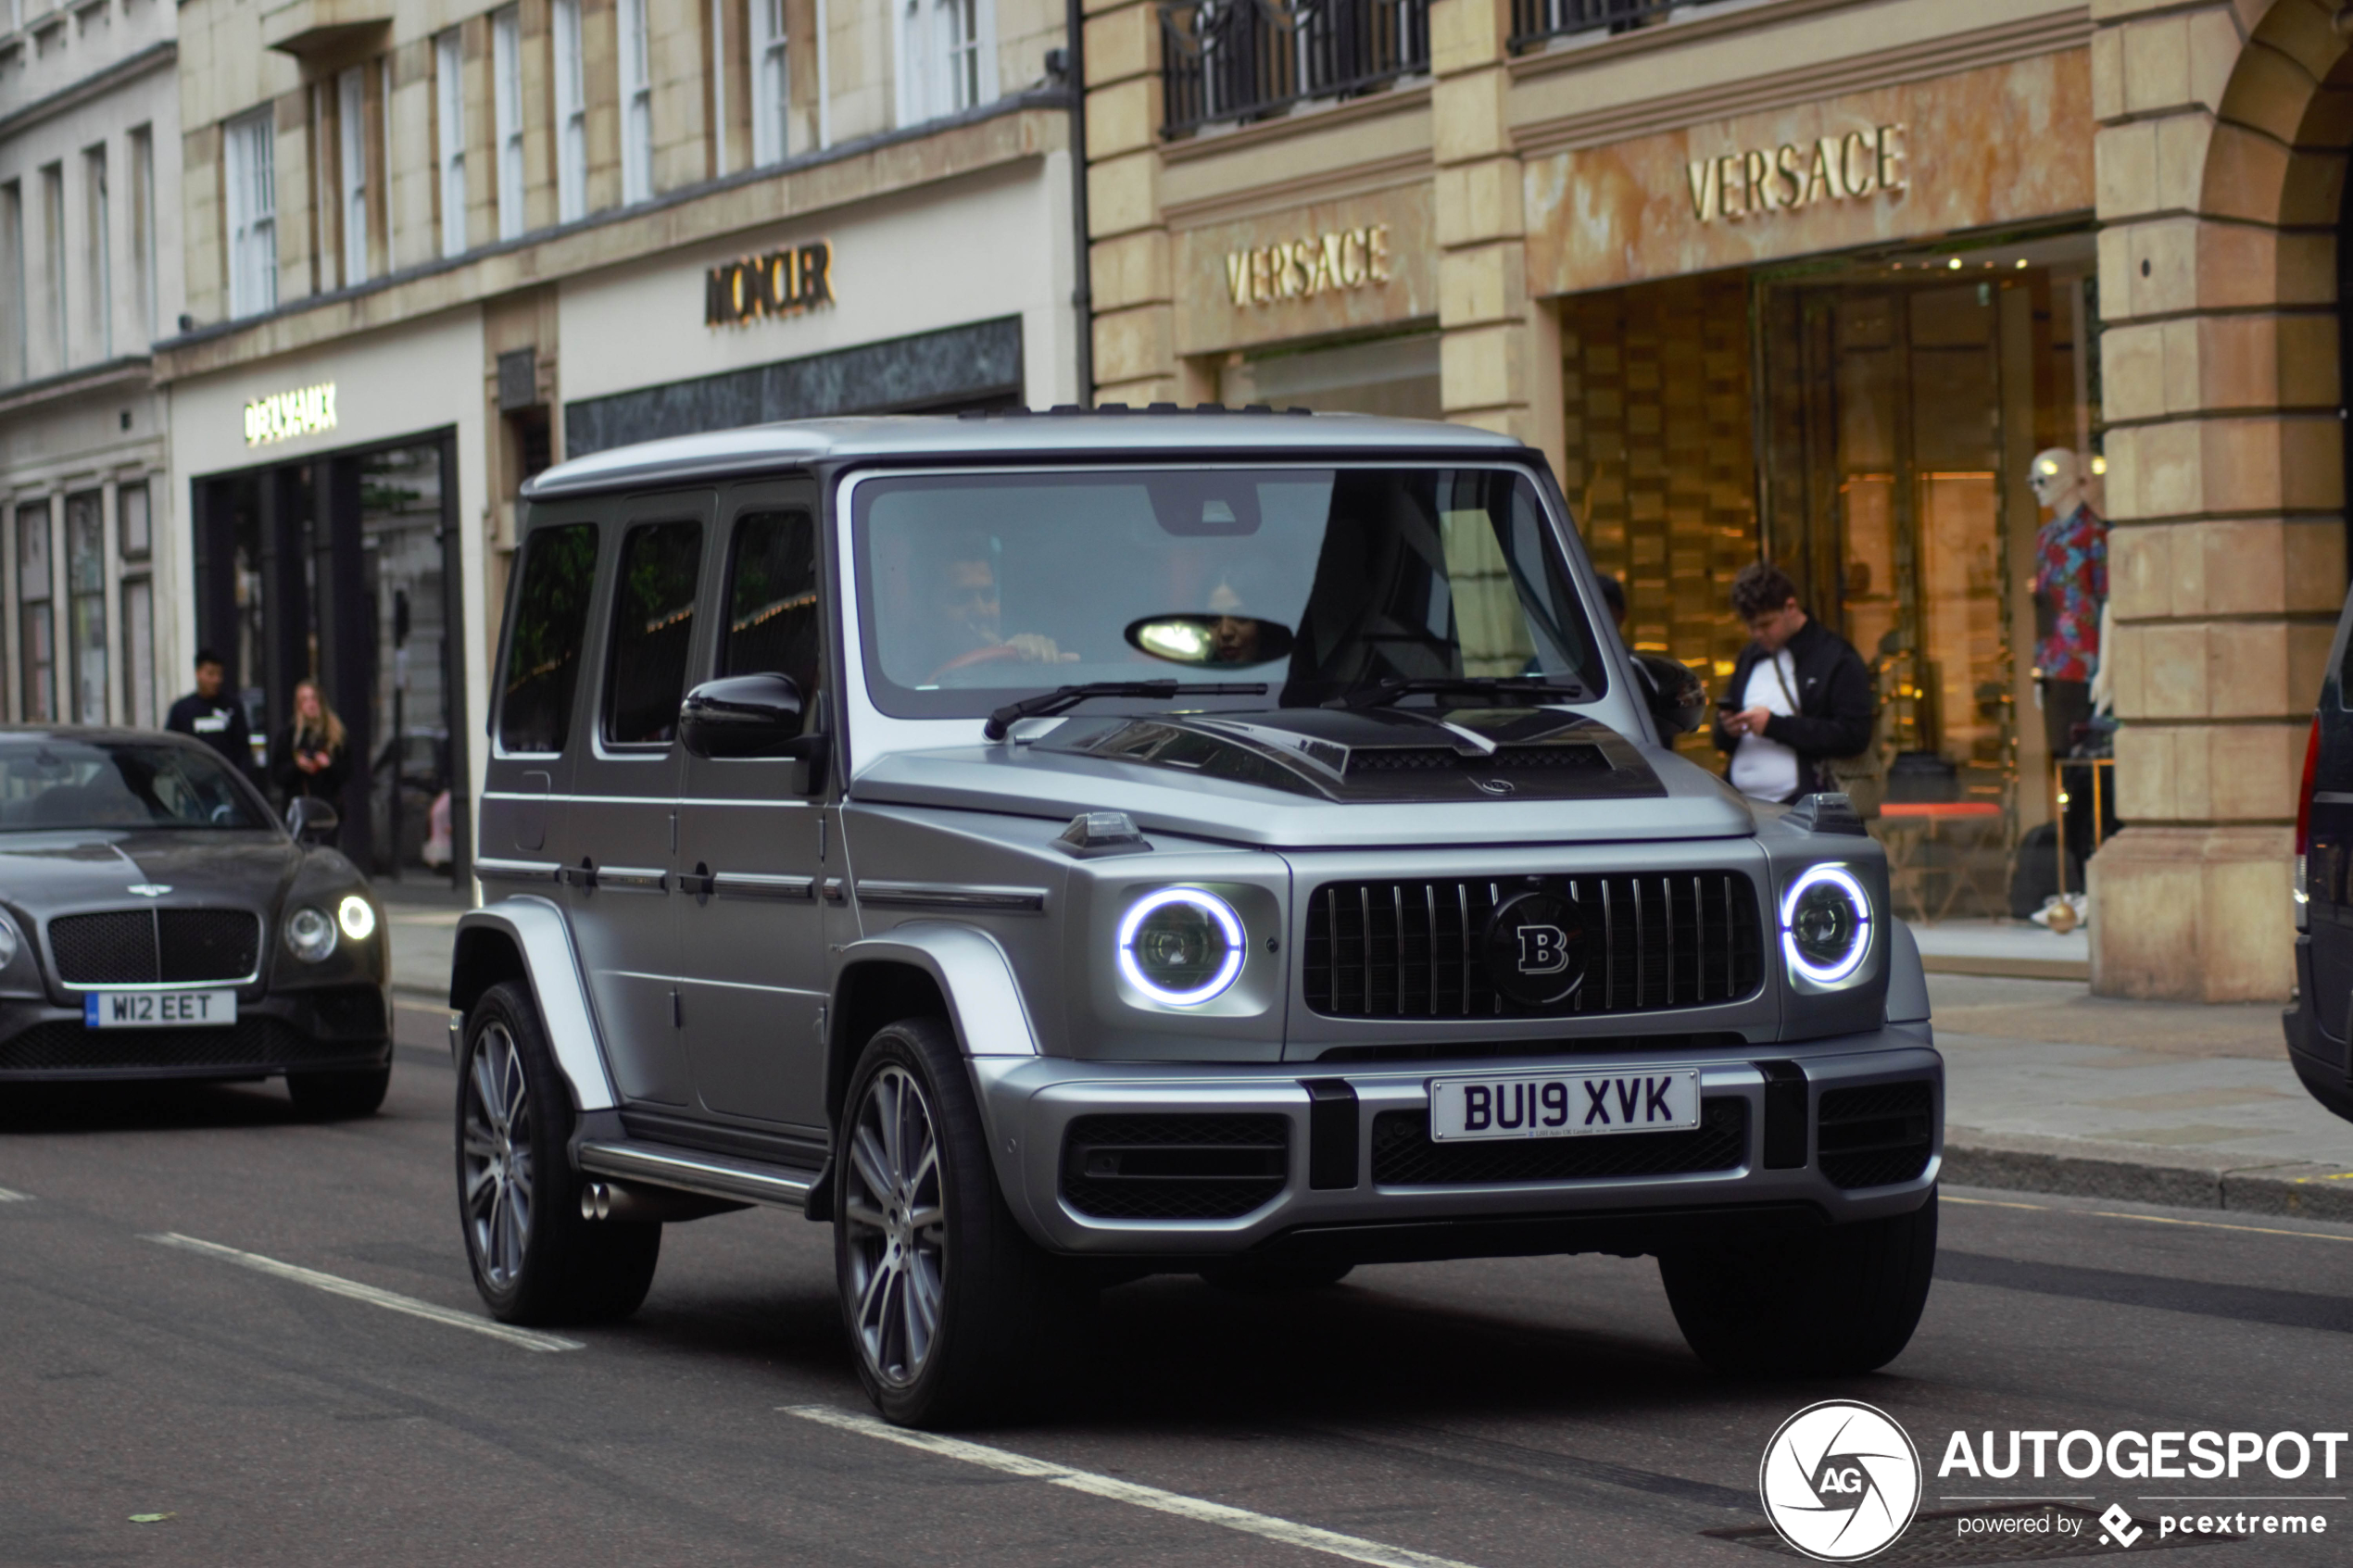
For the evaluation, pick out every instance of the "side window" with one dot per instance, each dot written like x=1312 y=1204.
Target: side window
x=771 y=600
x=551 y=622
x=653 y=623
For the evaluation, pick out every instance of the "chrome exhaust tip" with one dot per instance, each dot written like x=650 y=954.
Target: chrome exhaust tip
x=596 y=1201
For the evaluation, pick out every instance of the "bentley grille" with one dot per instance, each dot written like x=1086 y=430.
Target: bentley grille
x=148 y=946
x=1413 y=950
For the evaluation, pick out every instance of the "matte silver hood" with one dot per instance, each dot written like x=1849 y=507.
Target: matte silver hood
x=1226 y=780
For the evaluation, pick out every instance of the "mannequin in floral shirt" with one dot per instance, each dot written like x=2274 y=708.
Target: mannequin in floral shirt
x=2071 y=585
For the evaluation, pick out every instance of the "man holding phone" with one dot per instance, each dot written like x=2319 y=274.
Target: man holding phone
x=1799 y=694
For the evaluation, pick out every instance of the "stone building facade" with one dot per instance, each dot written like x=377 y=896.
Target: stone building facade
x=89 y=268
x=2221 y=152
x=433 y=248
x=1816 y=279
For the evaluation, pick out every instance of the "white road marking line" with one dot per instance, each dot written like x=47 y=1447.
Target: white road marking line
x=530 y=1339
x=1331 y=1542
x=7 y=1197
x=2149 y=1219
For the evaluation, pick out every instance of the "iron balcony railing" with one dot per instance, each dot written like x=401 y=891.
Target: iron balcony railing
x=1535 y=20
x=1245 y=59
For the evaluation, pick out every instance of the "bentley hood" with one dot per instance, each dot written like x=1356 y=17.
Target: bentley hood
x=1322 y=777
x=83 y=868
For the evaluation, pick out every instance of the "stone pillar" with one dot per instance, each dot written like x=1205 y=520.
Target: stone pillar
x=1127 y=254
x=2226 y=481
x=1500 y=357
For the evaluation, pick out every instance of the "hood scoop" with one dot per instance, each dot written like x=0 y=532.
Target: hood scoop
x=1382 y=754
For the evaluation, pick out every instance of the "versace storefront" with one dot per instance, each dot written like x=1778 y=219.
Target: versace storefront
x=1809 y=282
x=1837 y=334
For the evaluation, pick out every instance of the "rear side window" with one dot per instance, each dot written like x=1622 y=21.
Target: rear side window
x=653 y=625
x=771 y=600
x=551 y=622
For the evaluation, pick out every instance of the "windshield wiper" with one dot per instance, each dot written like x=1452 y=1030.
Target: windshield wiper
x=1062 y=698
x=1539 y=687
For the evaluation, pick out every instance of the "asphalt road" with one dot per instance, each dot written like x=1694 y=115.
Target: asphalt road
x=1528 y=1411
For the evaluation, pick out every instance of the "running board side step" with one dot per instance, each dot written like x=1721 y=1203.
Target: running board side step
x=712 y=1175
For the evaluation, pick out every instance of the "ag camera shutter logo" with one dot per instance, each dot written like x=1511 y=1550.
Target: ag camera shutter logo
x=1840 y=1481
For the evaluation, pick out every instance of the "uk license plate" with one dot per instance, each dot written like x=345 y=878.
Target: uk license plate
x=157 y=1009
x=1562 y=1105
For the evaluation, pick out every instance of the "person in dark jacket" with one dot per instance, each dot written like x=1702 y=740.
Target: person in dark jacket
x=313 y=753
x=214 y=716
x=1800 y=694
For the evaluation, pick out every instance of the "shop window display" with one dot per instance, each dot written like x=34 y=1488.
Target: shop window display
x=1905 y=400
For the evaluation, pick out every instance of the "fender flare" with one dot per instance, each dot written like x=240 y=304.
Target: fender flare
x=976 y=980
x=537 y=931
x=984 y=1007
x=1907 y=976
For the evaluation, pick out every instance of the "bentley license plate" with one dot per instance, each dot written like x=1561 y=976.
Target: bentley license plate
x=157 y=1009
x=1562 y=1105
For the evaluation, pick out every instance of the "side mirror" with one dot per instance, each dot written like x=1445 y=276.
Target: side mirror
x=1677 y=696
x=745 y=716
x=311 y=820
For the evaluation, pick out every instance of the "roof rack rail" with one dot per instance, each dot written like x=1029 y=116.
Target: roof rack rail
x=1023 y=412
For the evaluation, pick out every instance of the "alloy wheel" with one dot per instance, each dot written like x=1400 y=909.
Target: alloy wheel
x=497 y=1157
x=895 y=1216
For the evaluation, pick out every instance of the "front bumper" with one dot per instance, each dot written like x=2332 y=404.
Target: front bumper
x=330 y=1028
x=1031 y=1103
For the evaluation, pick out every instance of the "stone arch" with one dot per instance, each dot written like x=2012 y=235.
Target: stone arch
x=2223 y=147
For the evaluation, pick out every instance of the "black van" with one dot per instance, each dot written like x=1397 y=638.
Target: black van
x=2318 y=1026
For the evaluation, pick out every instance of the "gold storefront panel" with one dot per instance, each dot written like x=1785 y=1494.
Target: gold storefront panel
x=1335 y=268
x=1660 y=468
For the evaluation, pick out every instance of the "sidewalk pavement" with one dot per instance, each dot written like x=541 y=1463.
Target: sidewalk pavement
x=2048 y=1088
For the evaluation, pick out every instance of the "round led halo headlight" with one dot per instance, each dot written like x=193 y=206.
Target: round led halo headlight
x=1180 y=946
x=310 y=935
x=1826 y=925
x=357 y=916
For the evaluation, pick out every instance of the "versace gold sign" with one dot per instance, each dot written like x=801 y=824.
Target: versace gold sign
x=1763 y=180
x=1345 y=258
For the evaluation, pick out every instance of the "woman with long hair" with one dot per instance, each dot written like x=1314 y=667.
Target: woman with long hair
x=313 y=752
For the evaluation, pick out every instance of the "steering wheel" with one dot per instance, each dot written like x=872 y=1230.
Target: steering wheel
x=996 y=652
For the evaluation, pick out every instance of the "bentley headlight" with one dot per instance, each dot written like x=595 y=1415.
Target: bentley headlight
x=357 y=916
x=1826 y=925
x=9 y=942
x=1181 y=946
x=310 y=935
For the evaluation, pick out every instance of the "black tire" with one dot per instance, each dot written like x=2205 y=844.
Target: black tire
x=1262 y=1275
x=333 y=1096
x=534 y=1260
x=1836 y=1301
x=1002 y=1316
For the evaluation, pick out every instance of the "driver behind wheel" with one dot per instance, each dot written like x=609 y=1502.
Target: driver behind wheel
x=966 y=605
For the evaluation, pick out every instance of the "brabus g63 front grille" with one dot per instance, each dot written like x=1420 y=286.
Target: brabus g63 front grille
x=1413 y=949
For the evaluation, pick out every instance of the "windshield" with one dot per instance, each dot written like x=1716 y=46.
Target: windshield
x=974 y=588
x=61 y=784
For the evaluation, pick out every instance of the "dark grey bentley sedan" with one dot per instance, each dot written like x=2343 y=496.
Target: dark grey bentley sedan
x=158 y=922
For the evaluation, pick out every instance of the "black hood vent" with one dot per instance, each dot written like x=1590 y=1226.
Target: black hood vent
x=1381 y=754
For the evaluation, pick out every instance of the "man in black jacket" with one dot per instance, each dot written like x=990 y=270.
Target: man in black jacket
x=214 y=715
x=1800 y=694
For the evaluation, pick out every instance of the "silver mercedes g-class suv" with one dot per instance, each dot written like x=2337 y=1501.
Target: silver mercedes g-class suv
x=1060 y=847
